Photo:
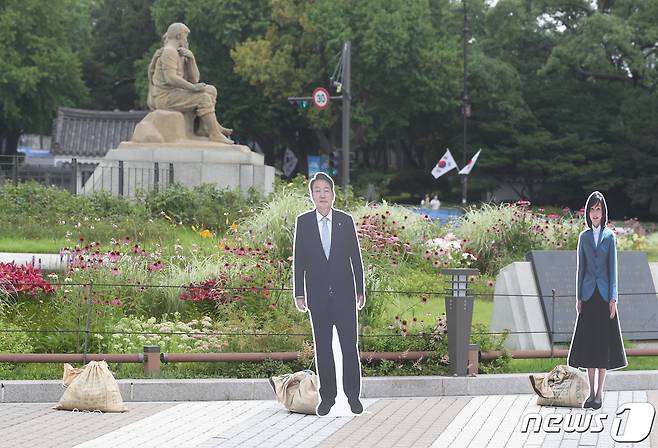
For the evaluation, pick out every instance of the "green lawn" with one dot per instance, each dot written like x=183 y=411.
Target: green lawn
x=546 y=364
x=40 y=246
x=184 y=236
x=408 y=307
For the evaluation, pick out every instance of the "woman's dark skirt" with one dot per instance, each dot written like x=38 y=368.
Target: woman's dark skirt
x=597 y=340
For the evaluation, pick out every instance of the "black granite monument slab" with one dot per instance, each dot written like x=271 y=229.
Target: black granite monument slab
x=638 y=305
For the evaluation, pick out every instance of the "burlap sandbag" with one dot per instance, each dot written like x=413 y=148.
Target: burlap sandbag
x=70 y=374
x=297 y=391
x=563 y=386
x=93 y=389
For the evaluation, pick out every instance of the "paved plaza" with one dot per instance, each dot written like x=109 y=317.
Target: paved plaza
x=458 y=421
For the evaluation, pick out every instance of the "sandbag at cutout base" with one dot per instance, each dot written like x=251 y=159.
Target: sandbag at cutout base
x=298 y=391
x=563 y=386
x=92 y=388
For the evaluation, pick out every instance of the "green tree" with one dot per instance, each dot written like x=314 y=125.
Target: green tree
x=122 y=32
x=562 y=95
x=39 y=63
x=609 y=54
x=404 y=69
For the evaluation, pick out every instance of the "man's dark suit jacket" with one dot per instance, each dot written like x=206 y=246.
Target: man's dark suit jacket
x=327 y=283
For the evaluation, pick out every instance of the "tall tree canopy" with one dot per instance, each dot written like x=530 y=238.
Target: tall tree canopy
x=122 y=31
x=564 y=93
x=39 y=63
x=405 y=70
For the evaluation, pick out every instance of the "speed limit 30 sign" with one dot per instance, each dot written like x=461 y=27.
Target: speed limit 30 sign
x=320 y=98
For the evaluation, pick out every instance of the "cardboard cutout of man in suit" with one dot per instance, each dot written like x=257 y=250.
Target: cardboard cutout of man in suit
x=329 y=283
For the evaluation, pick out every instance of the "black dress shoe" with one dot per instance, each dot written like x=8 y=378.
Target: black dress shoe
x=596 y=404
x=325 y=407
x=356 y=406
x=588 y=404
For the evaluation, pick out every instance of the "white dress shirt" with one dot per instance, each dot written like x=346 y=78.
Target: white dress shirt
x=319 y=217
x=596 y=231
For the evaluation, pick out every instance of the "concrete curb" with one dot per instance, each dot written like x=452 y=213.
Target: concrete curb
x=144 y=390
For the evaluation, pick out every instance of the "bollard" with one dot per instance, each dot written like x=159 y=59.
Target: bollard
x=152 y=360
x=459 y=315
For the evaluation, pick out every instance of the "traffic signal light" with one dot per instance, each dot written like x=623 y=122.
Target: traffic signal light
x=301 y=103
x=336 y=162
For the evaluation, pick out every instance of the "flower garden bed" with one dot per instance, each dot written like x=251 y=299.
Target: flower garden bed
x=219 y=279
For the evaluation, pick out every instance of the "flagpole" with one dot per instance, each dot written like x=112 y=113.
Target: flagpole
x=465 y=105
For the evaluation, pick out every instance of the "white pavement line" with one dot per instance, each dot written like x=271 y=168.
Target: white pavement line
x=517 y=437
x=537 y=438
x=610 y=402
x=184 y=425
x=486 y=432
x=461 y=422
x=554 y=439
x=511 y=421
x=464 y=439
x=588 y=438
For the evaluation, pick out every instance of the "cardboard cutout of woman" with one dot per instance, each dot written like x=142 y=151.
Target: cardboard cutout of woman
x=329 y=283
x=596 y=343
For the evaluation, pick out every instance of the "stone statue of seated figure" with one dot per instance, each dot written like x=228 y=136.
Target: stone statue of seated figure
x=174 y=87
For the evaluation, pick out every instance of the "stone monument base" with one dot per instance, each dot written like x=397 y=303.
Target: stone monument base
x=134 y=167
x=519 y=314
x=524 y=315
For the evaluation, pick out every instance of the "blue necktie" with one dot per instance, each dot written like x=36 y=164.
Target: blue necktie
x=325 y=236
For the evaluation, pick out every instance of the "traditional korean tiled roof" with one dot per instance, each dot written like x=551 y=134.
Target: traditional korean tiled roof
x=92 y=133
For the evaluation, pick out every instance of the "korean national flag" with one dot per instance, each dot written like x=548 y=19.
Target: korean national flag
x=444 y=165
x=471 y=163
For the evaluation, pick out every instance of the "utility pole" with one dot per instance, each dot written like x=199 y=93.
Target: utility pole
x=347 y=98
x=341 y=81
x=466 y=107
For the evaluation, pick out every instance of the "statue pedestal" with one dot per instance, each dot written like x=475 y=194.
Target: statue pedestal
x=145 y=167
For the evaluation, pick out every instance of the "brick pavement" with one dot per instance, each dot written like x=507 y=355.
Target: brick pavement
x=481 y=421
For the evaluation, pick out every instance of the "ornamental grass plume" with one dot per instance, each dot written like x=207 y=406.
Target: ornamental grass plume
x=275 y=220
x=500 y=234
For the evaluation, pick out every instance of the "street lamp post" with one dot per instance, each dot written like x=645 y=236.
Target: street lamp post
x=347 y=100
x=466 y=107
